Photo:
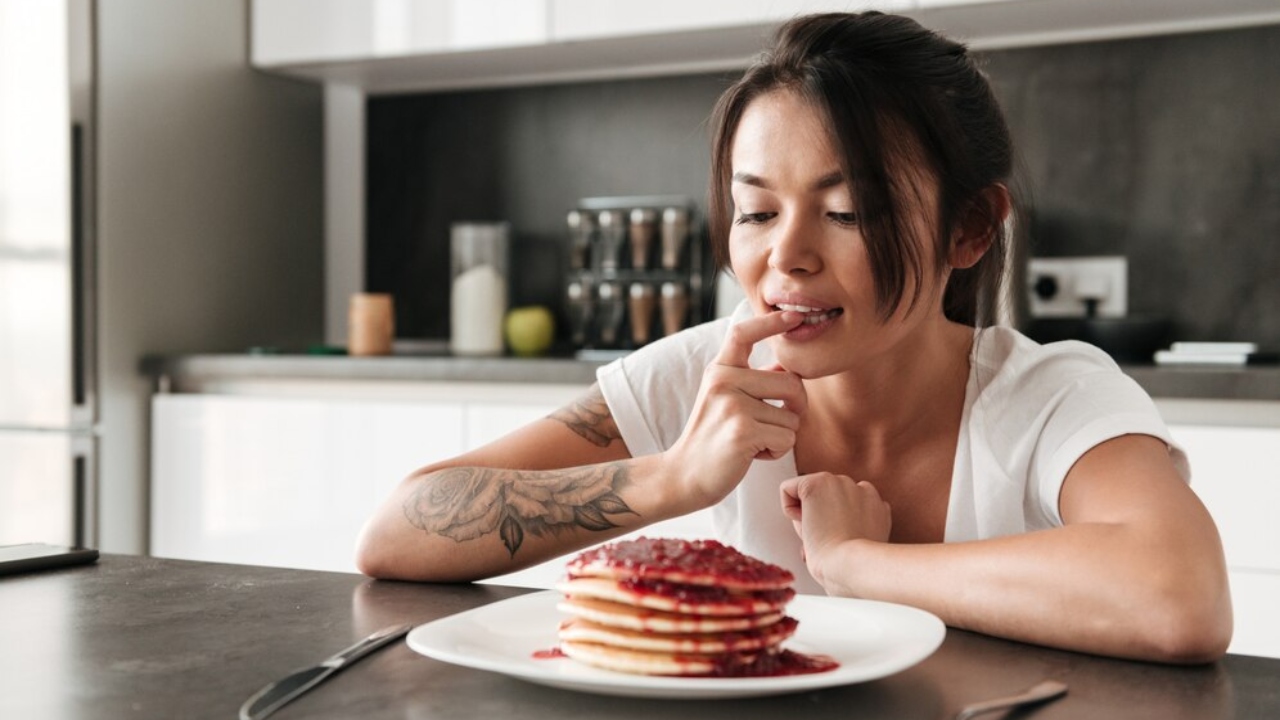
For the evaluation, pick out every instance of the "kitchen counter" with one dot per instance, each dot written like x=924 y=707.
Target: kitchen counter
x=187 y=371
x=136 y=637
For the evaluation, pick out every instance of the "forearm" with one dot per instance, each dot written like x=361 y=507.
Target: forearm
x=467 y=523
x=1099 y=588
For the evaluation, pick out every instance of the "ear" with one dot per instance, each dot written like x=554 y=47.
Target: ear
x=976 y=229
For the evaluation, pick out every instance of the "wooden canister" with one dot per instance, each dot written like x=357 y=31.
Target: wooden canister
x=371 y=324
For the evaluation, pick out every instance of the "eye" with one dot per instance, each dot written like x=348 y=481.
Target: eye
x=753 y=218
x=847 y=219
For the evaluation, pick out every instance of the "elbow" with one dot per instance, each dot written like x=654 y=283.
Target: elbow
x=370 y=556
x=1191 y=627
x=1192 y=644
x=384 y=554
x=381 y=553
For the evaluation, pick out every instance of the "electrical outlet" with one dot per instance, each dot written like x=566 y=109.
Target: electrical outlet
x=1066 y=287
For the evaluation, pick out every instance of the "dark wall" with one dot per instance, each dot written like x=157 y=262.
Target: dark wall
x=524 y=155
x=1166 y=150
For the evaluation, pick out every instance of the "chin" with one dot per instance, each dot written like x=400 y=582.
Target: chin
x=804 y=364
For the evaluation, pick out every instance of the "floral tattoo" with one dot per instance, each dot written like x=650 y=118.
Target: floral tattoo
x=589 y=417
x=468 y=503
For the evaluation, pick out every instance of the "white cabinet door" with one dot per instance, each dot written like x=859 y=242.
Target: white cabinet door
x=316 y=31
x=289 y=482
x=284 y=482
x=1236 y=473
x=487 y=422
x=589 y=19
x=1255 y=597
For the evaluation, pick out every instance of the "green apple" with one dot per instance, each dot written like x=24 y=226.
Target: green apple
x=529 y=330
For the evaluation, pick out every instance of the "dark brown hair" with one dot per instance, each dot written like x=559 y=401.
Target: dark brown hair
x=893 y=93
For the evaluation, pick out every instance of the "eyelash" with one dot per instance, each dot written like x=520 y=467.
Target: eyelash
x=843 y=219
x=753 y=218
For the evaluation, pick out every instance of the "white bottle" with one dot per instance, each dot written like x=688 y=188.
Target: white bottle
x=478 y=297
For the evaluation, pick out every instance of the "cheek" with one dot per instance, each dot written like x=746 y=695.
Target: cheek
x=744 y=259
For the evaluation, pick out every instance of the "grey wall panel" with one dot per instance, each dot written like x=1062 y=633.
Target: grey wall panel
x=209 y=215
x=1165 y=149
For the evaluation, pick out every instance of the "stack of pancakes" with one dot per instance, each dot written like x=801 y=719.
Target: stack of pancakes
x=674 y=607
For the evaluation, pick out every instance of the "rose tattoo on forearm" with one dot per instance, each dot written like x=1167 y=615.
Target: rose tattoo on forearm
x=469 y=502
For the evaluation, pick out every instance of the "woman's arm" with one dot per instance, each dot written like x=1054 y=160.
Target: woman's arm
x=1136 y=571
x=559 y=484
x=568 y=481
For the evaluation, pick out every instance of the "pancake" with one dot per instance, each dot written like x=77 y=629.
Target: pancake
x=680 y=608
x=654 y=663
x=673 y=597
x=657 y=621
x=584 y=631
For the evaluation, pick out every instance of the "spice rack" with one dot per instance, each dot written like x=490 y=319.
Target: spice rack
x=637 y=271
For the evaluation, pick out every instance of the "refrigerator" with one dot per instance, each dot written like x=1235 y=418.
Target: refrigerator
x=48 y=377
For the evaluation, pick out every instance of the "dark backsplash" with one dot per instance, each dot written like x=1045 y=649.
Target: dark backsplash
x=1165 y=150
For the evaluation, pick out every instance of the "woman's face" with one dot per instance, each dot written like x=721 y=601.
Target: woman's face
x=795 y=242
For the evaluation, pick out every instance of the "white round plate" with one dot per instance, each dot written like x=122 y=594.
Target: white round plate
x=869 y=639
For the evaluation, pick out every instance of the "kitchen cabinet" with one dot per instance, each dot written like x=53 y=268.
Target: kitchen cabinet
x=384 y=46
x=1236 y=473
x=284 y=482
x=288 y=480
x=588 y=19
x=314 y=31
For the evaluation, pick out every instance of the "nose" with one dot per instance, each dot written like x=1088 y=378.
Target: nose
x=793 y=249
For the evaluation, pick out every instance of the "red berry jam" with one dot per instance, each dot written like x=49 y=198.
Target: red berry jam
x=704 y=562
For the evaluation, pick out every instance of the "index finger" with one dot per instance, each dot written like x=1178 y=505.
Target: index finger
x=736 y=350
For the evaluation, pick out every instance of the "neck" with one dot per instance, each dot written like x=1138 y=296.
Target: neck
x=898 y=399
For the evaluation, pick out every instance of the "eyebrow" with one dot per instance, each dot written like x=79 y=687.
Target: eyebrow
x=829 y=180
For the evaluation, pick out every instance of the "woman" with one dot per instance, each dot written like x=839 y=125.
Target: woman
x=856 y=420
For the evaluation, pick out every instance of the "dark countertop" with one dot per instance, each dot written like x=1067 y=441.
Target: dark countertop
x=135 y=637
x=1206 y=383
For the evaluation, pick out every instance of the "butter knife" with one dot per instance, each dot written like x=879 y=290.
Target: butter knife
x=279 y=693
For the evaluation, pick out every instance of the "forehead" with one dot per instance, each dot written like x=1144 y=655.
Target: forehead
x=784 y=136
x=781 y=126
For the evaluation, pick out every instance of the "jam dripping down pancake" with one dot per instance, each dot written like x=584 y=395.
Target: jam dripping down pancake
x=675 y=597
x=584 y=631
x=657 y=621
x=744 y=664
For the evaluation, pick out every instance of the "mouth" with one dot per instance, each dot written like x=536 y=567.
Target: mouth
x=812 y=315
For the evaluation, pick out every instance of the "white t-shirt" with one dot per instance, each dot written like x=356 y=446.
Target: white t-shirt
x=1030 y=411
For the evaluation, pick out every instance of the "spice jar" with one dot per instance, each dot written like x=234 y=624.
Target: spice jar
x=370 y=324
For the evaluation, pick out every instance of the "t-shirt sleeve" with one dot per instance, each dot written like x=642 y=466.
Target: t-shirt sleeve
x=1092 y=410
x=1071 y=401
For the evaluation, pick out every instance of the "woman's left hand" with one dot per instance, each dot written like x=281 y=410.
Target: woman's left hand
x=828 y=509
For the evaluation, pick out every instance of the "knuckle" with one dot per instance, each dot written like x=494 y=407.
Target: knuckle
x=716 y=377
x=738 y=335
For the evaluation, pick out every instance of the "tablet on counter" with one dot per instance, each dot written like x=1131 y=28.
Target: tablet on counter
x=30 y=557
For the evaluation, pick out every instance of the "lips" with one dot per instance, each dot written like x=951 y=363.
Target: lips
x=812 y=314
